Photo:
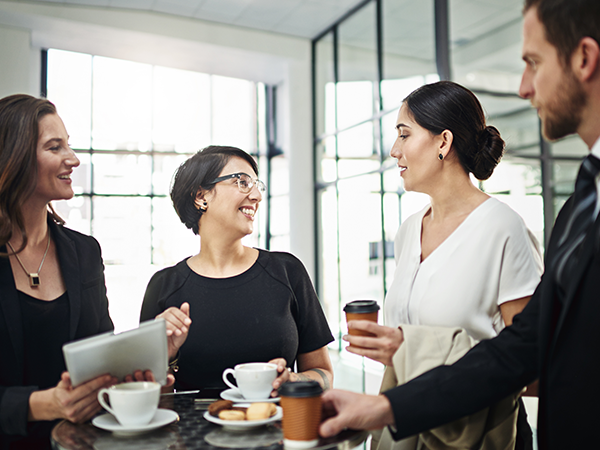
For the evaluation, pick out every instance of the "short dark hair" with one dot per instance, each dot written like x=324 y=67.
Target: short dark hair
x=20 y=115
x=197 y=172
x=446 y=105
x=566 y=22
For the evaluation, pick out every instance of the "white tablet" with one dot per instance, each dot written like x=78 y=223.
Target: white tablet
x=120 y=354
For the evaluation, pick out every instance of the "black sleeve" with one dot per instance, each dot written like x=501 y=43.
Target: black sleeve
x=313 y=329
x=490 y=371
x=150 y=305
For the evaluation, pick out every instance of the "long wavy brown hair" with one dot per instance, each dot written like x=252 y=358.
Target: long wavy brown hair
x=19 y=132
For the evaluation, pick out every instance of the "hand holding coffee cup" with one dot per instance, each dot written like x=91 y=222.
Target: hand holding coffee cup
x=254 y=380
x=361 y=310
x=132 y=404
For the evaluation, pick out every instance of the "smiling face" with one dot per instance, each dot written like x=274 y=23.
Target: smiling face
x=55 y=161
x=228 y=208
x=552 y=88
x=416 y=150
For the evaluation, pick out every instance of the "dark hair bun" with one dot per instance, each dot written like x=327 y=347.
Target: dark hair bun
x=490 y=151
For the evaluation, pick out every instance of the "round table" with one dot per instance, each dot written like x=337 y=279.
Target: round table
x=190 y=432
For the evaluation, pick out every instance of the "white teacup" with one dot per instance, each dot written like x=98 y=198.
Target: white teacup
x=254 y=380
x=132 y=403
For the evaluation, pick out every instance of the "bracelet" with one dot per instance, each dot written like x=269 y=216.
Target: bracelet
x=174 y=364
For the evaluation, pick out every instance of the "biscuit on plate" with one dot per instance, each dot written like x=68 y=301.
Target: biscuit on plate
x=260 y=411
x=220 y=405
x=232 y=415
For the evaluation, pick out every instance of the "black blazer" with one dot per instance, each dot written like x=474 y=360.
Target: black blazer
x=559 y=344
x=83 y=272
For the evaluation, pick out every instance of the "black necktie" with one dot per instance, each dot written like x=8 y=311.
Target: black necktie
x=582 y=218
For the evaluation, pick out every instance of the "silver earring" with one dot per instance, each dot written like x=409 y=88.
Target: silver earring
x=441 y=157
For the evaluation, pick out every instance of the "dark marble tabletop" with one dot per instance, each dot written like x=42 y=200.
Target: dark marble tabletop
x=190 y=432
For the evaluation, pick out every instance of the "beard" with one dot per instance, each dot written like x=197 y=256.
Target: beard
x=563 y=113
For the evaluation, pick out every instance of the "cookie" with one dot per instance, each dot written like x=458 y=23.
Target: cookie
x=260 y=411
x=232 y=415
x=220 y=405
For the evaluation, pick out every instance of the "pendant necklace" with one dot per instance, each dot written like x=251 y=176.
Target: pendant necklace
x=34 y=278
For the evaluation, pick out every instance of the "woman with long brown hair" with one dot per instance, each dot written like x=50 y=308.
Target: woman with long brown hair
x=52 y=287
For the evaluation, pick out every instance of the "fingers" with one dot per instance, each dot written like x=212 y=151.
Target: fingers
x=281 y=364
x=331 y=427
x=177 y=320
x=367 y=325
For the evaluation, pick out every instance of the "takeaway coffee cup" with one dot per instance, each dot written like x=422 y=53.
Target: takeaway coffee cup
x=131 y=403
x=254 y=380
x=301 y=403
x=361 y=310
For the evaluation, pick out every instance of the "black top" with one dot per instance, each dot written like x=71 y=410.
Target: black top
x=267 y=312
x=43 y=339
x=83 y=273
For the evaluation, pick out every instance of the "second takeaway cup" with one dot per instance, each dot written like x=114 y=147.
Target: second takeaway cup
x=361 y=310
x=301 y=403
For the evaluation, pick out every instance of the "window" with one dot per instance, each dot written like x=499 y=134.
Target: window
x=132 y=125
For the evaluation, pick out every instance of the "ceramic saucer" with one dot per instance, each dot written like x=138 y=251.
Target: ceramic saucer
x=161 y=418
x=236 y=396
x=244 y=424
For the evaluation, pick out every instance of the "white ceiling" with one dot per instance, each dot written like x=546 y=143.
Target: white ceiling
x=303 y=18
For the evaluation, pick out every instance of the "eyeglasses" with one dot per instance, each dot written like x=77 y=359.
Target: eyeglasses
x=244 y=181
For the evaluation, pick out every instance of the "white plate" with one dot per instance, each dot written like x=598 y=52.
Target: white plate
x=244 y=424
x=161 y=418
x=236 y=396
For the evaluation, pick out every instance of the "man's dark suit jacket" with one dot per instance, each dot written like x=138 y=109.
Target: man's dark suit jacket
x=83 y=272
x=557 y=341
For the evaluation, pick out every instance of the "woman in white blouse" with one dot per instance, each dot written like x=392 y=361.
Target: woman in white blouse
x=466 y=259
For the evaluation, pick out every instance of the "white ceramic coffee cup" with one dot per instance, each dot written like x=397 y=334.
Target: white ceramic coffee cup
x=132 y=403
x=254 y=380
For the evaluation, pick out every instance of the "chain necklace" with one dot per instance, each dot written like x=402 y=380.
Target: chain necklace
x=34 y=278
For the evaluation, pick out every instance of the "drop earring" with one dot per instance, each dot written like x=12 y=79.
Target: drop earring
x=441 y=157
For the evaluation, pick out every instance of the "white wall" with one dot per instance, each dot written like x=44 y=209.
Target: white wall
x=153 y=38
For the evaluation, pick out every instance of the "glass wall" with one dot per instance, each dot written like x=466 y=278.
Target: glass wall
x=363 y=66
x=132 y=125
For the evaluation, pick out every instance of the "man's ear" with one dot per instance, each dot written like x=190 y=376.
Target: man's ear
x=585 y=59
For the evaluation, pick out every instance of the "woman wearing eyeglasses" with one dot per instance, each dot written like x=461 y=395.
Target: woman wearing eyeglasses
x=231 y=304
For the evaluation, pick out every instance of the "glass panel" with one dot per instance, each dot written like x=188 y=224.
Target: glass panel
x=81 y=176
x=360 y=251
x=70 y=89
x=171 y=240
x=518 y=124
x=351 y=167
x=408 y=49
x=163 y=171
x=280 y=215
x=324 y=85
x=122 y=105
x=122 y=226
x=486 y=56
x=571 y=147
x=391 y=224
x=329 y=276
x=357 y=142
x=280 y=176
x=517 y=182
x=181 y=111
x=356 y=97
x=234 y=120
x=122 y=174
x=76 y=213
